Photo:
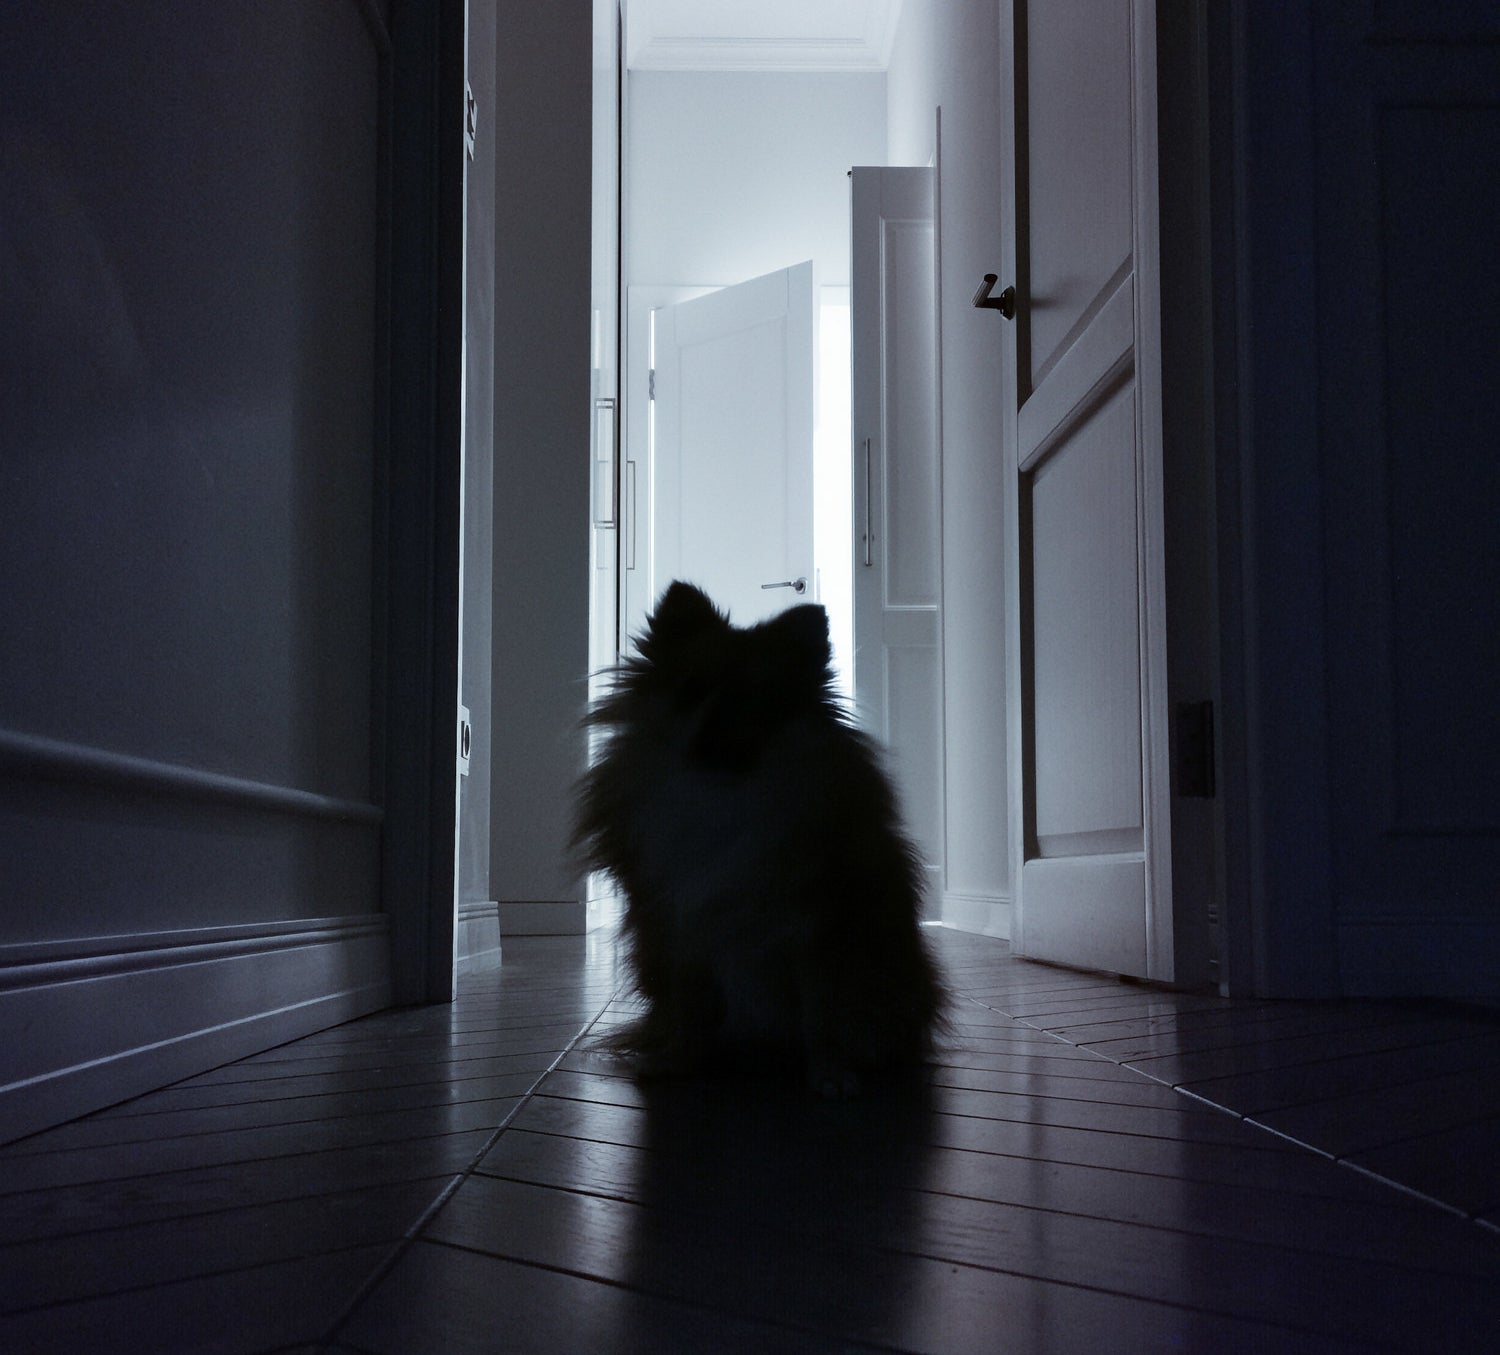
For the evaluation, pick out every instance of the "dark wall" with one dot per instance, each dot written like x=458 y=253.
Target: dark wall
x=1368 y=305
x=188 y=310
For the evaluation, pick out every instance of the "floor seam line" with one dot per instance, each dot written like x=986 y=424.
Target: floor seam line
x=1339 y=1160
x=414 y=1231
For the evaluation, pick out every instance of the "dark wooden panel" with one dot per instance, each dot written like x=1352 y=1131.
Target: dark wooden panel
x=1272 y=1088
x=291 y=1113
x=196 y=1094
x=1135 y=1091
x=844 y=1291
x=1157 y=1055
x=36 y=1170
x=1460 y=1167
x=123 y=1201
x=1206 y=1162
x=1367 y=1222
x=442 y=1299
x=1283 y=1282
x=1349 y=1125
x=1091 y=1069
x=151 y=1255
x=239 y=1313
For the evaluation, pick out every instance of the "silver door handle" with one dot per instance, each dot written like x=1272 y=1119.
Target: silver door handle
x=796 y=585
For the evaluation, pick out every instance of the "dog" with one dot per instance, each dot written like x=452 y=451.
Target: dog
x=771 y=897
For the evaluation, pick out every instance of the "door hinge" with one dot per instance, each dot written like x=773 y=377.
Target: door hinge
x=471 y=119
x=651 y=384
x=1195 y=749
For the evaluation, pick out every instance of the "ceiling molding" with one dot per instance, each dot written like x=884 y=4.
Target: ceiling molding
x=762 y=35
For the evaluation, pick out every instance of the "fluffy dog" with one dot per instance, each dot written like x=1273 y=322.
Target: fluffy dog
x=771 y=899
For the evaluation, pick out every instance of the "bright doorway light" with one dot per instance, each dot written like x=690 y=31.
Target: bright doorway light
x=833 y=487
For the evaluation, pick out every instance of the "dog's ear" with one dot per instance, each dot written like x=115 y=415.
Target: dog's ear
x=683 y=612
x=805 y=630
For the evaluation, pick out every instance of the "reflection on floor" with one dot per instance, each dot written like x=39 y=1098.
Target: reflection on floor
x=477 y=1178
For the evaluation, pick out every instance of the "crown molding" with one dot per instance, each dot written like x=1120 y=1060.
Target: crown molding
x=797 y=36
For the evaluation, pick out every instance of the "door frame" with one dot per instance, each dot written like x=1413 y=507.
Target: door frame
x=633 y=458
x=419 y=474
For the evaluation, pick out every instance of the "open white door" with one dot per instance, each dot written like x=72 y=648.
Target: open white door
x=897 y=551
x=1091 y=774
x=731 y=476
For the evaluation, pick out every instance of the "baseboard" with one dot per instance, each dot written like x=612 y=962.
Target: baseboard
x=478 y=939
x=987 y=914
x=605 y=910
x=543 y=917
x=98 y=1020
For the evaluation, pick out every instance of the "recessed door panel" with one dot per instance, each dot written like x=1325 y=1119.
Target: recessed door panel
x=1086 y=638
x=1078 y=119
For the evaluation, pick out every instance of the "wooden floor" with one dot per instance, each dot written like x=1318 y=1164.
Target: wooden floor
x=475 y=1178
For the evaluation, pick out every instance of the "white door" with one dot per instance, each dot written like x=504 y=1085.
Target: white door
x=731 y=479
x=1090 y=776
x=897 y=551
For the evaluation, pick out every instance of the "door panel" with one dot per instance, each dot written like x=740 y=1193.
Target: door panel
x=1091 y=772
x=896 y=474
x=1085 y=638
x=1077 y=118
x=910 y=462
x=732 y=479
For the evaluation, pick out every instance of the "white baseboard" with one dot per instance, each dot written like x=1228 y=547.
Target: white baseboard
x=97 y=1020
x=987 y=914
x=478 y=940
x=605 y=910
x=543 y=917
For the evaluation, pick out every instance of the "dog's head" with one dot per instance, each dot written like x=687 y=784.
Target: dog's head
x=734 y=688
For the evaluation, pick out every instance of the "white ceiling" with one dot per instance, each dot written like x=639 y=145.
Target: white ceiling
x=759 y=35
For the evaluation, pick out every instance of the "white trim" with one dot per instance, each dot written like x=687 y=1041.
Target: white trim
x=667 y=35
x=33 y=756
x=987 y=914
x=637 y=456
x=103 y=1019
x=1010 y=456
x=477 y=942
x=1161 y=950
x=29 y=964
x=812 y=55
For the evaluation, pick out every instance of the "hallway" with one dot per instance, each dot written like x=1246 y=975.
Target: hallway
x=474 y=1178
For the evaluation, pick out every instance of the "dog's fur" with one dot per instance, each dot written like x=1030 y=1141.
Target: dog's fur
x=771 y=900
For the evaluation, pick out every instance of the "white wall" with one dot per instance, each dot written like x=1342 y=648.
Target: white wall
x=735 y=174
x=543 y=128
x=945 y=56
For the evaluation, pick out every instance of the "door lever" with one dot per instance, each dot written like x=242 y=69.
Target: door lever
x=796 y=585
x=1005 y=303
